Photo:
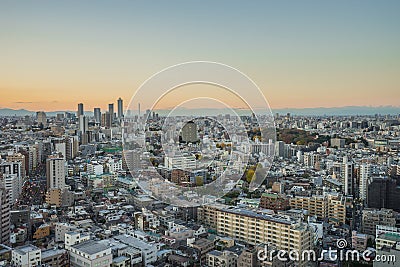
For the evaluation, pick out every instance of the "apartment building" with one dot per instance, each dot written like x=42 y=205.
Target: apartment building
x=331 y=206
x=255 y=228
x=26 y=256
x=4 y=216
x=274 y=202
x=221 y=258
x=373 y=217
x=90 y=254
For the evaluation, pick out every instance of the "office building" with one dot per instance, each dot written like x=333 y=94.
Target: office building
x=111 y=112
x=131 y=160
x=106 y=120
x=383 y=193
x=19 y=157
x=97 y=115
x=120 y=108
x=371 y=218
x=365 y=176
x=338 y=142
x=346 y=176
x=41 y=118
x=80 y=111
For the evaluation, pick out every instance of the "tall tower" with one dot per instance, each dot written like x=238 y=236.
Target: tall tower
x=4 y=216
x=83 y=124
x=97 y=115
x=139 y=109
x=346 y=173
x=80 y=110
x=55 y=172
x=120 y=108
x=111 y=111
x=365 y=174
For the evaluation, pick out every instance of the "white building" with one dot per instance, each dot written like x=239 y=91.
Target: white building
x=55 y=171
x=149 y=251
x=26 y=256
x=365 y=176
x=72 y=238
x=13 y=184
x=96 y=169
x=90 y=254
x=180 y=162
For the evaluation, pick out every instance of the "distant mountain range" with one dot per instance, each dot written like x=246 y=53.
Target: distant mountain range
x=338 y=111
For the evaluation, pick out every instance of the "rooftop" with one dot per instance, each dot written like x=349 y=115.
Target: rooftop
x=91 y=247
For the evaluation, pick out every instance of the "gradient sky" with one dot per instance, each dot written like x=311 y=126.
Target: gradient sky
x=55 y=54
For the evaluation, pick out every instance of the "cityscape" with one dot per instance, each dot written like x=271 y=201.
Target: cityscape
x=199 y=133
x=70 y=194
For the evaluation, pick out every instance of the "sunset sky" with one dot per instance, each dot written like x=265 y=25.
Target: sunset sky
x=54 y=54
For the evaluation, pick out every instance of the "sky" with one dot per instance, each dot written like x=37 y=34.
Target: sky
x=55 y=54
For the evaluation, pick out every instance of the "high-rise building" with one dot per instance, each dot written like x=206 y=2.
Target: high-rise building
x=120 y=108
x=80 y=110
x=383 y=193
x=83 y=124
x=12 y=184
x=83 y=128
x=346 y=175
x=131 y=160
x=41 y=118
x=106 y=120
x=11 y=179
x=365 y=176
x=373 y=217
x=111 y=111
x=97 y=115
x=55 y=172
x=18 y=157
x=4 y=216
x=189 y=132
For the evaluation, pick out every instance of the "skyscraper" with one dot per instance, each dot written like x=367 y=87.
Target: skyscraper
x=346 y=174
x=83 y=124
x=106 y=120
x=111 y=111
x=120 y=108
x=80 y=110
x=97 y=115
x=365 y=176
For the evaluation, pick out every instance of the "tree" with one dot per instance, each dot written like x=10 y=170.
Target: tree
x=249 y=175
